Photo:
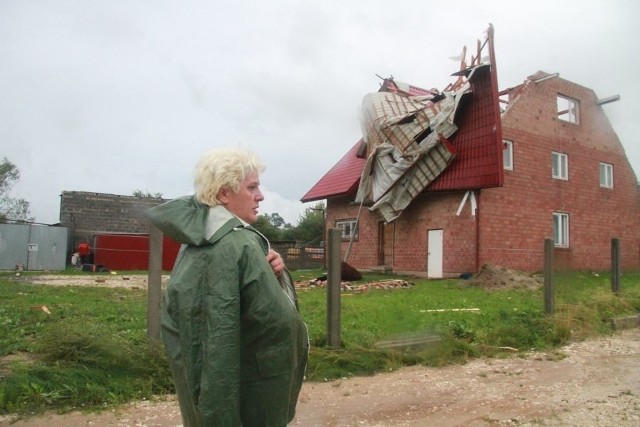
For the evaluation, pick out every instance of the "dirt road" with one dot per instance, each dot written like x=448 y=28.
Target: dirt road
x=591 y=383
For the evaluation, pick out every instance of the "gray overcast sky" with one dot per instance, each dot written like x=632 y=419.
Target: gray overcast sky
x=114 y=96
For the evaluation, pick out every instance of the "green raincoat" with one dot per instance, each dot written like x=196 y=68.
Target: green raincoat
x=235 y=341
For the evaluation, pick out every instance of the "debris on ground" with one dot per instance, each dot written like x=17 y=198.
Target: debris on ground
x=496 y=277
x=346 y=286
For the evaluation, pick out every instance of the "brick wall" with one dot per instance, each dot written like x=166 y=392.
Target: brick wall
x=518 y=217
x=87 y=214
x=409 y=246
x=364 y=250
x=436 y=212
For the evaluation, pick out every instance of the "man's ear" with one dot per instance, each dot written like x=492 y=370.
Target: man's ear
x=223 y=195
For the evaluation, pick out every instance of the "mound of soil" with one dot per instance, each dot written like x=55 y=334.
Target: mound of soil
x=496 y=277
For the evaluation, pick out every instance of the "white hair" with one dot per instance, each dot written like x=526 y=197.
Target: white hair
x=223 y=168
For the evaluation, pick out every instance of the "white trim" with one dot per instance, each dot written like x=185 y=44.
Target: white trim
x=561 y=236
x=605 y=172
x=507 y=153
x=563 y=166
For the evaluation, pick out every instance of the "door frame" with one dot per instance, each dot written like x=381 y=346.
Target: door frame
x=385 y=247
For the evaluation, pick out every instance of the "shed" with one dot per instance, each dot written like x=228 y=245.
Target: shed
x=120 y=251
x=33 y=246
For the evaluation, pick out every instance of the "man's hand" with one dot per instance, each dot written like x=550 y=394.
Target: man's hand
x=277 y=264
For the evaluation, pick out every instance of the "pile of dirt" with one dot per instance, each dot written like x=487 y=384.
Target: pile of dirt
x=496 y=277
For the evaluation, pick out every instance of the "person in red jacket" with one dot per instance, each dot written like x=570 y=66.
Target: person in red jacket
x=85 y=251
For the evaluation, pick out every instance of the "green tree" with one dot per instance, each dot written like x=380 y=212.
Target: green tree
x=273 y=226
x=310 y=228
x=264 y=225
x=11 y=208
x=277 y=221
x=146 y=194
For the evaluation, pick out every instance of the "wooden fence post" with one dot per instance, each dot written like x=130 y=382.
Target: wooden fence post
x=549 y=292
x=334 y=288
x=154 y=289
x=615 y=265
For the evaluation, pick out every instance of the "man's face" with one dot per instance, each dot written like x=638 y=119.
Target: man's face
x=244 y=204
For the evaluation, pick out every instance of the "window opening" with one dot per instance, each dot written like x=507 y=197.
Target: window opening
x=348 y=227
x=507 y=155
x=606 y=175
x=568 y=110
x=561 y=230
x=559 y=165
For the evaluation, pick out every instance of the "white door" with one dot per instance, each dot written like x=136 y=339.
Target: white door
x=434 y=254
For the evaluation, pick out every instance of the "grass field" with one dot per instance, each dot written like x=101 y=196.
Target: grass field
x=88 y=348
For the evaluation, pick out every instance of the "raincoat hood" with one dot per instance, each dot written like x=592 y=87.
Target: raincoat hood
x=190 y=222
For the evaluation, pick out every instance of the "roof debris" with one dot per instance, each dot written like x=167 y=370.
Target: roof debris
x=420 y=141
x=406 y=130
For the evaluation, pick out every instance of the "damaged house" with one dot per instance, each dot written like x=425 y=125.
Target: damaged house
x=443 y=182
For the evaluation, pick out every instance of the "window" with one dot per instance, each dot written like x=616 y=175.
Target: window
x=561 y=230
x=606 y=175
x=567 y=109
x=559 y=166
x=348 y=227
x=507 y=155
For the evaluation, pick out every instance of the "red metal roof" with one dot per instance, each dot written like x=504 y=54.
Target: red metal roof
x=478 y=144
x=342 y=179
x=478 y=141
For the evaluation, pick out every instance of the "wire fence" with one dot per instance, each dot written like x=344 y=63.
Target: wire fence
x=296 y=257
